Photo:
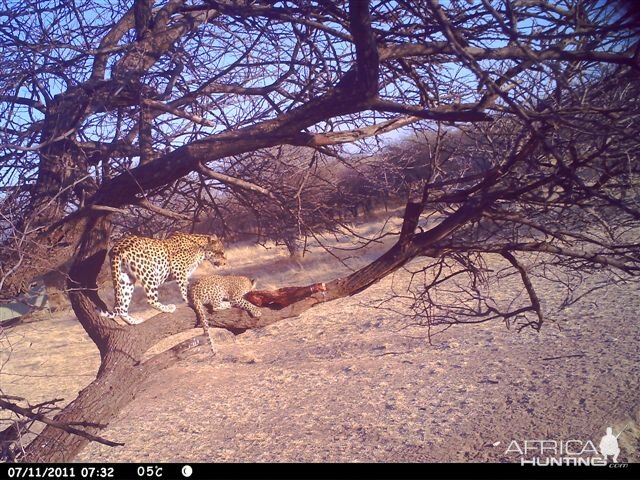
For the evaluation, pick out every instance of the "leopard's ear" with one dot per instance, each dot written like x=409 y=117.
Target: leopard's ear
x=214 y=240
x=254 y=282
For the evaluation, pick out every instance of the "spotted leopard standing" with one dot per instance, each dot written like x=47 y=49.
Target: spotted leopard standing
x=213 y=290
x=151 y=262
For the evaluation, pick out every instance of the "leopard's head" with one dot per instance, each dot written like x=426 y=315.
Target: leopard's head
x=211 y=245
x=214 y=251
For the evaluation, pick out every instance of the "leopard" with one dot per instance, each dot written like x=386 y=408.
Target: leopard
x=213 y=290
x=152 y=262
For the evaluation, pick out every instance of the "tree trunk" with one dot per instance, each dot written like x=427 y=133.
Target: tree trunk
x=98 y=403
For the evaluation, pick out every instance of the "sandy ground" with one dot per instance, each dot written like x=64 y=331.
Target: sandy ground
x=346 y=382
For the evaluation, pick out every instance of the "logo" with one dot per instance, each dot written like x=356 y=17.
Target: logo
x=609 y=445
x=543 y=453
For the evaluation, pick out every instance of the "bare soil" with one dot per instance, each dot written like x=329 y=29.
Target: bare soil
x=348 y=382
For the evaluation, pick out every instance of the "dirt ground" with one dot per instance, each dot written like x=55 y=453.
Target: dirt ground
x=348 y=382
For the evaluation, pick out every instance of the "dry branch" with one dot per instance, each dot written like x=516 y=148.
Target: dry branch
x=233 y=181
x=26 y=412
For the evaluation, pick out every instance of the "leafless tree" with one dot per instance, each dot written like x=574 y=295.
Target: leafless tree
x=110 y=110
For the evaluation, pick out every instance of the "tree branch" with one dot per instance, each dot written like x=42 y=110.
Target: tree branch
x=520 y=52
x=154 y=104
x=233 y=181
x=546 y=247
x=535 y=301
x=62 y=426
x=146 y=204
x=444 y=113
x=335 y=138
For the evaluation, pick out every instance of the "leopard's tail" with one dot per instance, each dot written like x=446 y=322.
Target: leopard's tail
x=118 y=275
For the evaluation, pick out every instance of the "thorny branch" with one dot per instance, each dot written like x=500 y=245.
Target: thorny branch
x=11 y=438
